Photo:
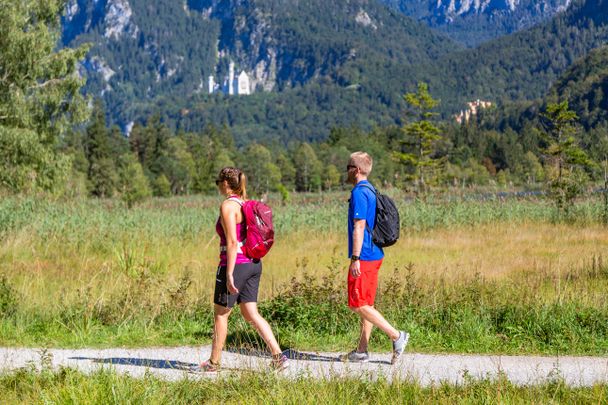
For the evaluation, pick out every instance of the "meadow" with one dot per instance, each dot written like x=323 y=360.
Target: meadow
x=469 y=275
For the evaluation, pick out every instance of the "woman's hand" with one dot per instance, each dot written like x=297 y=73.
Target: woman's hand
x=230 y=283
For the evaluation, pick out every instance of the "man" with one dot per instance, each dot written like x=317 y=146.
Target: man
x=365 y=261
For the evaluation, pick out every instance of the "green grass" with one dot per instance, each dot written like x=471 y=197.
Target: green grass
x=474 y=315
x=92 y=273
x=103 y=387
x=97 y=223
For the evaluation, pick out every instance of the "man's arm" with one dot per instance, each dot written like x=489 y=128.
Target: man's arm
x=358 y=234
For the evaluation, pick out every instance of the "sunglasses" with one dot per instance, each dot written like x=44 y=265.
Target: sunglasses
x=348 y=167
x=218 y=181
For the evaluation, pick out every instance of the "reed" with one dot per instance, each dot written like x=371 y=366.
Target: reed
x=92 y=272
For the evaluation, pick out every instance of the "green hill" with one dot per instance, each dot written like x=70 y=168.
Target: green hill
x=585 y=86
x=314 y=65
x=524 y=65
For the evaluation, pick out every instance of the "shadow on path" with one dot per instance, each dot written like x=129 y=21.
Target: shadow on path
x=149 y=363
x=296 y=355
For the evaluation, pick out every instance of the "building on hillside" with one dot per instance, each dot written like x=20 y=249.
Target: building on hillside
x=229 y=80
x=243 y=85
x=212 y=85
x=473 y=108
x=232 y=85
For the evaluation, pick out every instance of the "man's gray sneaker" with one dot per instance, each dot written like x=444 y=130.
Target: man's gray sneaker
x=399 y=345
x=355 y=357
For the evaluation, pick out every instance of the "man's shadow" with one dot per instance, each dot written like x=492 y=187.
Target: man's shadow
x=249 y=343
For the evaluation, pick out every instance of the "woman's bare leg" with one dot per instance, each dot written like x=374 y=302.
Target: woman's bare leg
x=220 y=331
x=251 y=315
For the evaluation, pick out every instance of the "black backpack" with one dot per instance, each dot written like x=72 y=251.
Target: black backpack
x=386 y=227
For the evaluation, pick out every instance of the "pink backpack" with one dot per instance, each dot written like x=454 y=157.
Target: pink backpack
x=260 y=231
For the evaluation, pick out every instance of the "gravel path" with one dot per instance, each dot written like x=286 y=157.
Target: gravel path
x=171 y=364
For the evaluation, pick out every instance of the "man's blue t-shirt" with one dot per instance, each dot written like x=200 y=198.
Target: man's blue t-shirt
x=363 y=206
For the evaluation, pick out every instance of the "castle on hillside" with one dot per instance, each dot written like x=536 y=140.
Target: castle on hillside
x=474 y=107
x=232 y=85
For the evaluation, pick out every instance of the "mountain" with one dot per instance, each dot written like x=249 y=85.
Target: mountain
x=472 y=22
x=585 y=86
x=147 y=55
x=524 y=65
x=312 y=65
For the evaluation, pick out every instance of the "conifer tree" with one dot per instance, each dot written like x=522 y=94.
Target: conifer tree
x=564 y=157
x=101 y=171
x=420 y=138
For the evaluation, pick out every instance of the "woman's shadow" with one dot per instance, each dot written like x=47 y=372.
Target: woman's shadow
x=139 y=362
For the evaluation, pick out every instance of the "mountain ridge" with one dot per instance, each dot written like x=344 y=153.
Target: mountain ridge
x=314 y=64
x=474 y=22
x=157 y=51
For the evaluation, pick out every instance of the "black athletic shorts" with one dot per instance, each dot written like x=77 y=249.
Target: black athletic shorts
x=246 y=280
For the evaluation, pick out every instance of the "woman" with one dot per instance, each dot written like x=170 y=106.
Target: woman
x=238 y=277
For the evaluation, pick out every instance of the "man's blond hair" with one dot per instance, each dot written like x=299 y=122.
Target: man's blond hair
x=363 y=161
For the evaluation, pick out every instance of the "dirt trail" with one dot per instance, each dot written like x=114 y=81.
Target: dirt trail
x=172 y=363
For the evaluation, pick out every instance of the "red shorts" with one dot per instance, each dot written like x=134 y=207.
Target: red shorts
x=362 y=289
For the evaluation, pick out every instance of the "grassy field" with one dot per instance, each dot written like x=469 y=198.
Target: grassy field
x=467 y=276
x=68 y=386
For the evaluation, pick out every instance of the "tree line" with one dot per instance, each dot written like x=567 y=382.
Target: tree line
x=50 y=140
x=422 y=155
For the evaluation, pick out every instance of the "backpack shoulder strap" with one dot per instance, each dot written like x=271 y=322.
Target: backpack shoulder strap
x=369 y=187
x=237 y=200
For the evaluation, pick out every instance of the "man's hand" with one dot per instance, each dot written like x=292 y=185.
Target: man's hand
x=230 y=283
x=355 y=268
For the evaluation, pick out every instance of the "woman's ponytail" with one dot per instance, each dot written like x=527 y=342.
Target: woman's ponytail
x=241 y=188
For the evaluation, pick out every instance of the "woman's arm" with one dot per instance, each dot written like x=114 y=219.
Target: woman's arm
x=228 y=212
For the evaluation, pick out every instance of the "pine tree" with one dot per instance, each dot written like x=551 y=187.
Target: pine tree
x=101 y=171
x=563 y=156
x=420 y=138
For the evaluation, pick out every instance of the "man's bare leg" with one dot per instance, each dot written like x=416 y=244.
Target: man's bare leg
x=366 y=333
x=371 y=315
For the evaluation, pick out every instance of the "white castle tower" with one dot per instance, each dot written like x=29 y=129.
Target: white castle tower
x=231 y=79
x=211 y=85
x=243 y=87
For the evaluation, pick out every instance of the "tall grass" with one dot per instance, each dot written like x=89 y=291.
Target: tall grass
x=528 y=313
x=100 y=223
x=467 y=276
x=102 y=387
